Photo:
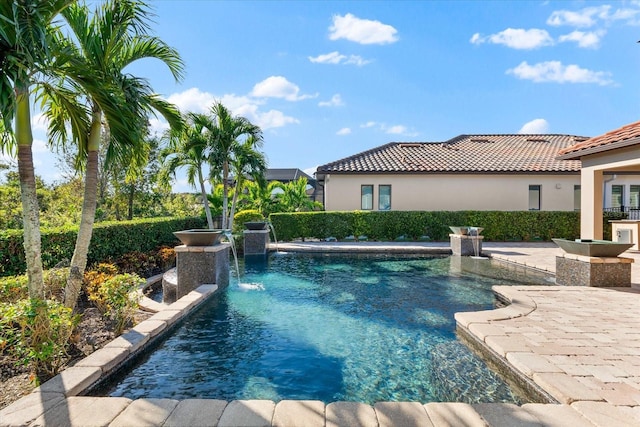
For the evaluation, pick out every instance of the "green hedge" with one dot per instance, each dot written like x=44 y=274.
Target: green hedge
x=109 y=240
x=421 y=225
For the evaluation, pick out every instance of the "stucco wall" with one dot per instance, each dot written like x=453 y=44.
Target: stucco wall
x=453 y=191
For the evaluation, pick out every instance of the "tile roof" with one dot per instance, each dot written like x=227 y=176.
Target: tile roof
x=465 y=153
x=285 y=174
x=603 y=142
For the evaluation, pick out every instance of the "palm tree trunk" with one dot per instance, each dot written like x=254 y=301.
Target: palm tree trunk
x=81 y=251
x=205 y=201
x=132 y=192
x=225 y=195
x=30 y=208
x=234 y=201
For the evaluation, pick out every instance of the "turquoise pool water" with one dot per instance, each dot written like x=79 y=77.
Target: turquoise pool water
x=328 y=327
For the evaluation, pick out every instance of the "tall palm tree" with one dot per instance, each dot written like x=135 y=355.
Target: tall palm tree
x=105 y=44
x=246 y=162
x=264 y=196
x=227 y=133
x=27 y=58
x=187 y=148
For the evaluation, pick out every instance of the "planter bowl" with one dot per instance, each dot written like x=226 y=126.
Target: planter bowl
x=464 y=230
x=595 y=248
x=255 y=225
x=199 y=237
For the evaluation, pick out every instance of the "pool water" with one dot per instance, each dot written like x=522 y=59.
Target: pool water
x=363 y=328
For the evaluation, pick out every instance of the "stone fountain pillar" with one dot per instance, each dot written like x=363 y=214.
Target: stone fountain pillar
x=201 y=261
x=466 y=241
x=256 y=242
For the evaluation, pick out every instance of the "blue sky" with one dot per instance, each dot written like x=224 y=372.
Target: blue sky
x=326 y=80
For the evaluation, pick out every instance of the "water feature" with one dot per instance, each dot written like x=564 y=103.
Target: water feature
x=273 y=230
x=329 y=327
x=229 y=235
x=474 y=233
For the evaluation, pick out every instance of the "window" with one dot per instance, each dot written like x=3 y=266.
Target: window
x=366 y=197
x=384 y=198
x=617 y=196
x=577 y=197
x=634 y=197
x=534 y=197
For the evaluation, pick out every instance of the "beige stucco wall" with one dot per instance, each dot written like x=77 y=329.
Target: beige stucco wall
x=453 y=191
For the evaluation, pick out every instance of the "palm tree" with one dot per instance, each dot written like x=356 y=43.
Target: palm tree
x=113 y=38
x=246 y=162
x=264 y=196
x=187 y=148
x=27 y=58
x=295 y=197
x=226 y=134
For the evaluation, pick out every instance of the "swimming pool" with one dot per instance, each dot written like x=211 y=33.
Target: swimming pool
x=363 y=328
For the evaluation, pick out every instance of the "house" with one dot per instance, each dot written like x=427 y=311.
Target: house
x=286 y=175
x=468 y=172
x=610 y=175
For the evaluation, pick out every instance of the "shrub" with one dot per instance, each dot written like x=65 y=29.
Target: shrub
x=387 y=226
x=245 y=216
x=115 y=296
x=110 y=240
x=37 y=333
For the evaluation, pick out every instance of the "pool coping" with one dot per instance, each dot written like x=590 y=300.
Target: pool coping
x=66 y=388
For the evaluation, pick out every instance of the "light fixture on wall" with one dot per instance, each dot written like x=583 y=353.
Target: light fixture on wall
x=558 y=186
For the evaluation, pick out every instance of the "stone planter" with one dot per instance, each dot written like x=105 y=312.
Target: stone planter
x=199 y=237
x=592 y=248
x=255 y=225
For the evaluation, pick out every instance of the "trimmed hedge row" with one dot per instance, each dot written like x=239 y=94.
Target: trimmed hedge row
x=109 y=240
x=431 y=225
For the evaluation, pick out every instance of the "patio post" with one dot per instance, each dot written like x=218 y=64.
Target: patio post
x=591 y=203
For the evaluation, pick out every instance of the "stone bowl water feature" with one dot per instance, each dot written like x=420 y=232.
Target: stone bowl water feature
x=465 y=230
x=592 y=248
x=255 y=225
x=199 y=237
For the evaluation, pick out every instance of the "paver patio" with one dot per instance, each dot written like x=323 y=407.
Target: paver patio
x=580 y=345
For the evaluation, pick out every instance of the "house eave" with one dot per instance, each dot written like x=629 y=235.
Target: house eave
x=576 y=155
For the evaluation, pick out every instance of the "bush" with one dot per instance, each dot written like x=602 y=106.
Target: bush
x=115 y=295
x=387 y=226
x=110 y=240
x=37 y=333
x=245 y=216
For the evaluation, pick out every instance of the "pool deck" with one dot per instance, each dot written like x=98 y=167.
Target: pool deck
x=579 y=345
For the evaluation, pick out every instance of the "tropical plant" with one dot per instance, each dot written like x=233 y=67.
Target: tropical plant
x=187 y=148
x=264 y=196
x=113 y=38
x=294 y=197
x=246 y=162
x=227 y=132
x=29 y=57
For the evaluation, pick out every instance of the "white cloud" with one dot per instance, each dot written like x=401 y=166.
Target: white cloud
x=336 y=101
x=39 y=122
x=192 y=100
x=535 y=126
x=396 y=130
x=338 y=58
x=157 y=126
x=516 y=38
x=555 y=71
x=39 y=146
x=344 y=131
x=363 y=31
x=368 y=124
x=591 y=16
x=278 y=87
x=273 y=119
x=584 y=39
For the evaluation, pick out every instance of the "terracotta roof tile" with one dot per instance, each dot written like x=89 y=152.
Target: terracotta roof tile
x=624 y=133
x=465 y=153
